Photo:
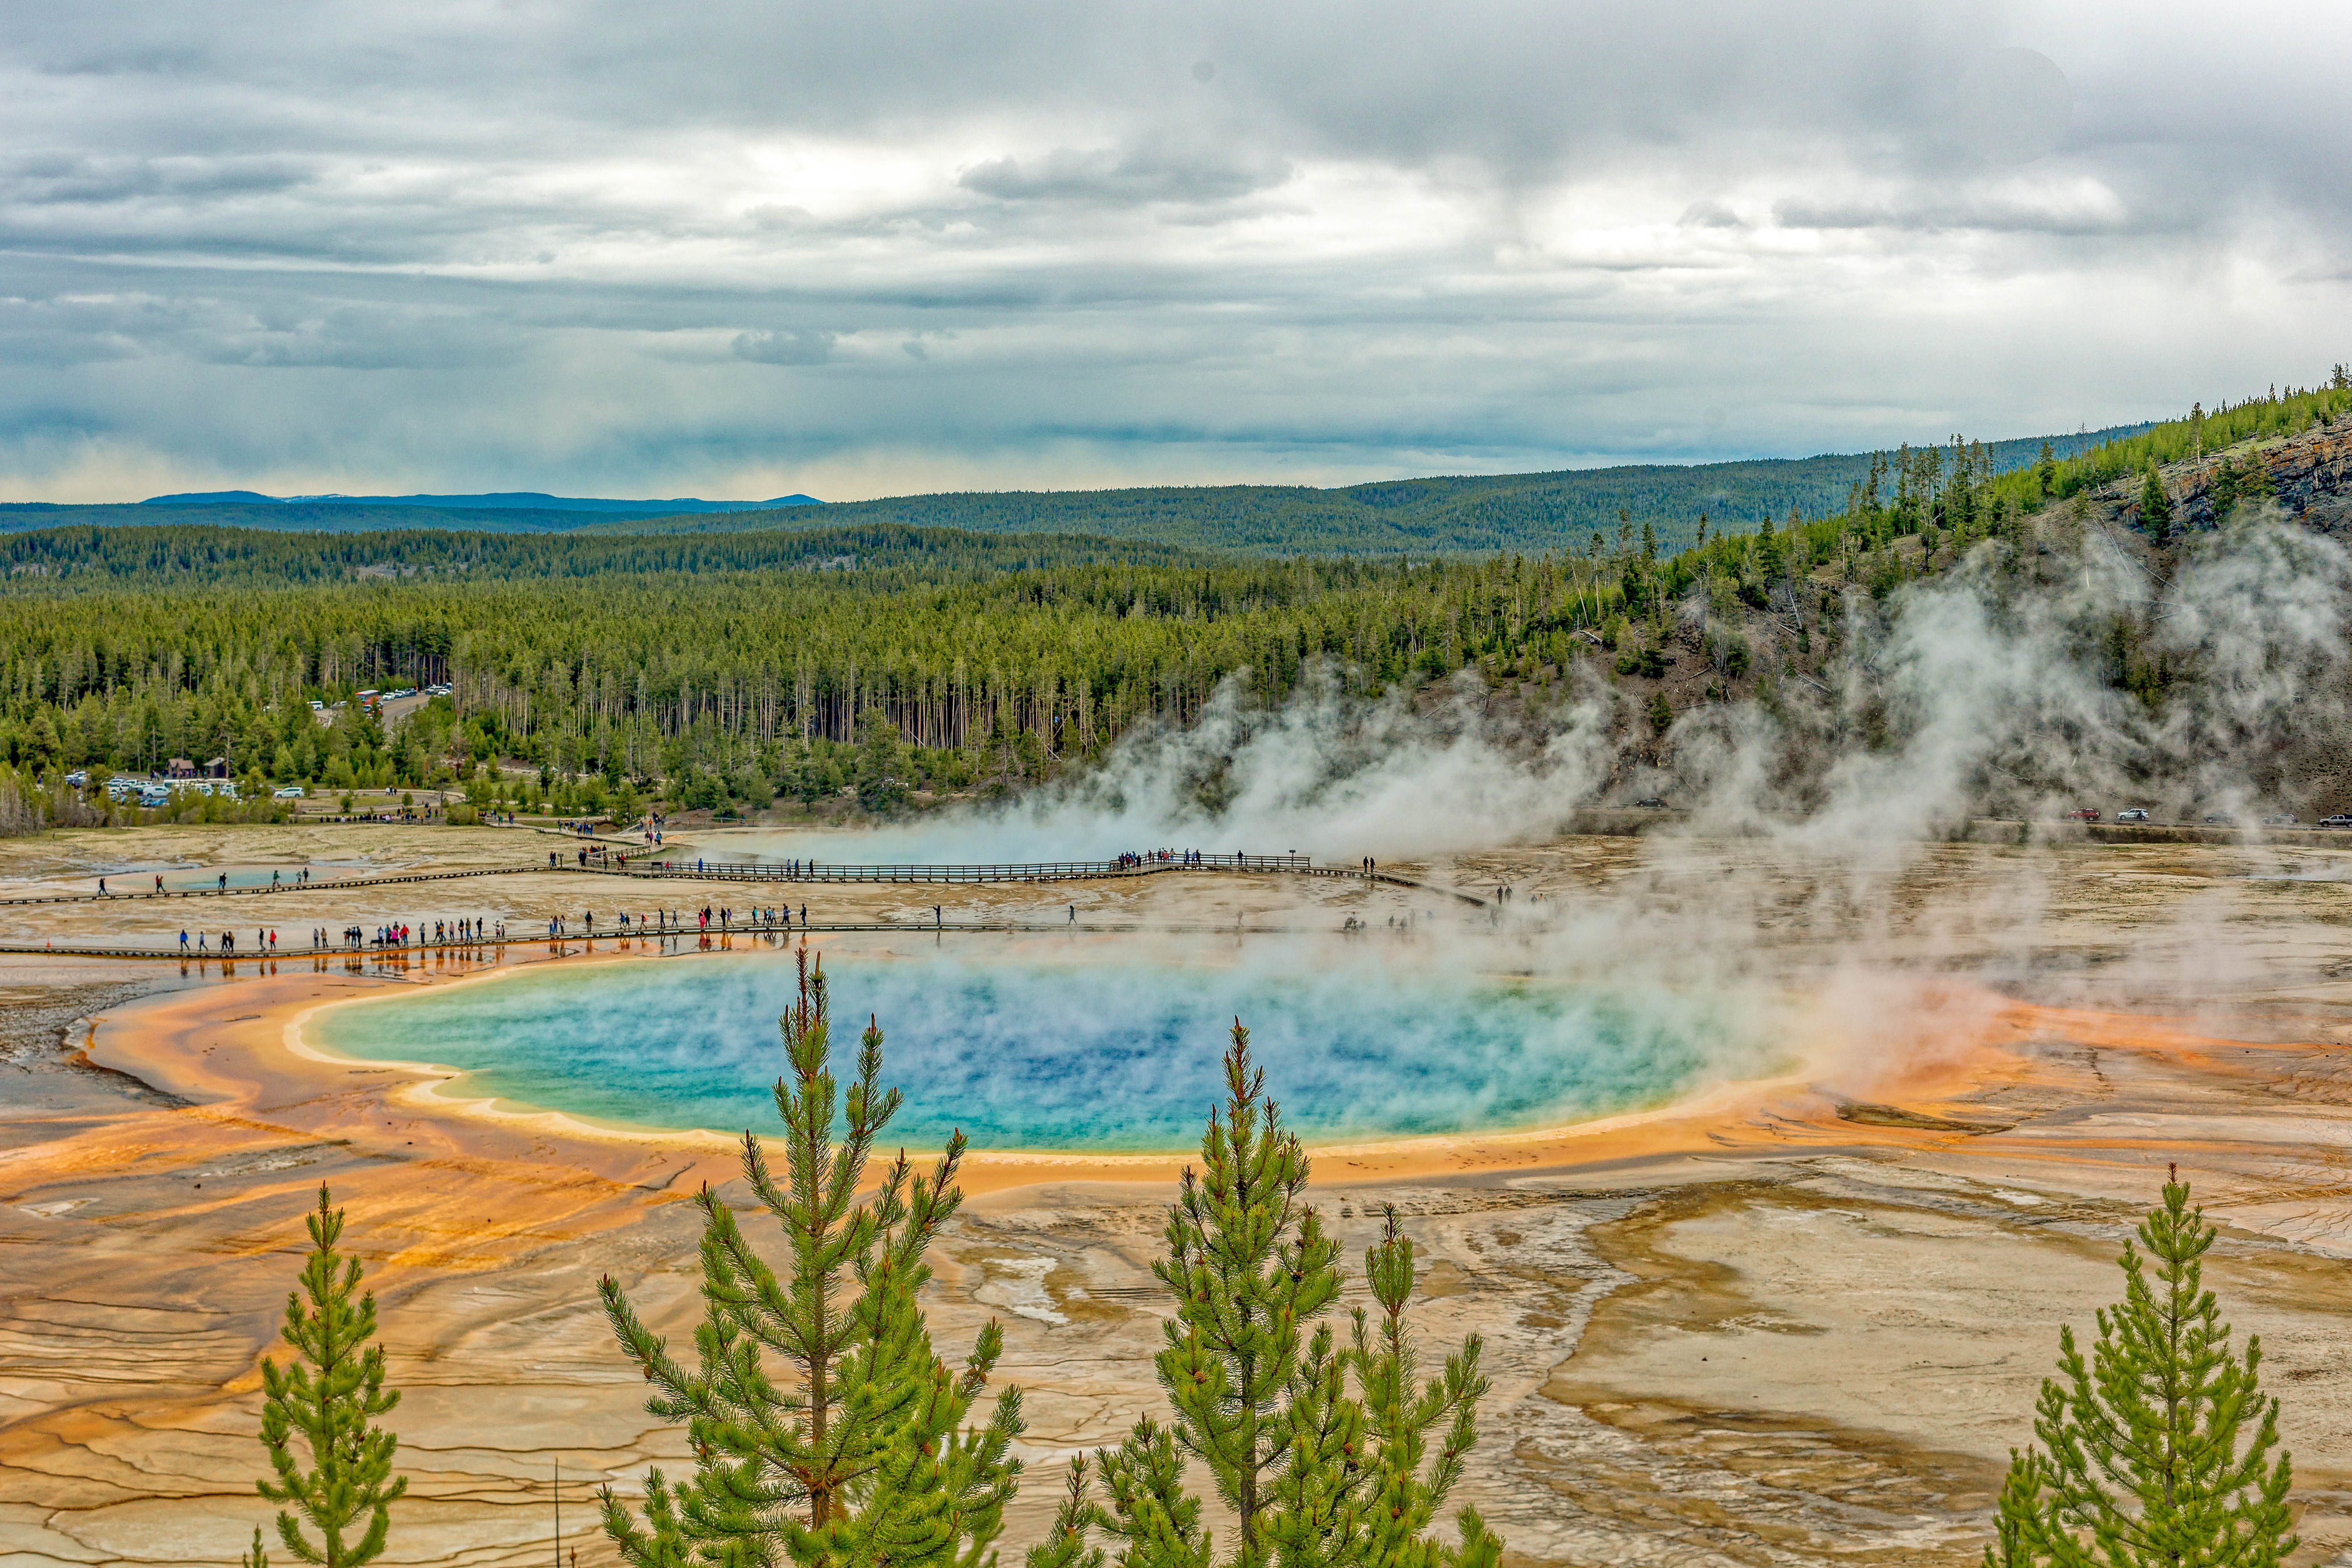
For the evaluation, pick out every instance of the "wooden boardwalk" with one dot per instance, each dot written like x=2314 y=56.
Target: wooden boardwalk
x=667 y=943
x=809 y=872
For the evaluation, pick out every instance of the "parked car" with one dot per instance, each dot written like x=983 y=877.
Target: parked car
x=2339 y=820
x=2284 y=819
x=79 y=778
x=2131 y=814
x=2220 y=819
x=291 y=792
x=2086 y=813
x=1653 y=804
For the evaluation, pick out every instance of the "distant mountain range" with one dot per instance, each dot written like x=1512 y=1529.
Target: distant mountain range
x=501 y=501
x=1446 y=515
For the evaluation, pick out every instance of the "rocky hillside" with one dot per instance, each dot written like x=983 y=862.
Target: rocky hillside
x=2194 y=664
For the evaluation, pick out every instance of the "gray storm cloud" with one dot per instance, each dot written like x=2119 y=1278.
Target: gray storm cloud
x=597 y=248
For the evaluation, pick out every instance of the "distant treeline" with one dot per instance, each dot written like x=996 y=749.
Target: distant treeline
x=83 y=557
x=742 y=655
x=654 y=674
x=325 y=517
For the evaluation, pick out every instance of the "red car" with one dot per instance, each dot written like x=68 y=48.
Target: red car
x=2088 y=814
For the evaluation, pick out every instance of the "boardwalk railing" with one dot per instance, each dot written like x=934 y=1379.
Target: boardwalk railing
x=1038 y=871
x=770 y=871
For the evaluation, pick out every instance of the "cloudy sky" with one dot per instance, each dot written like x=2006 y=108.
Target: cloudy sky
x=744 y=249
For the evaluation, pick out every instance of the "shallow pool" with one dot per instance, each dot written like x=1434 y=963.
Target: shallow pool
x=1079 y=1054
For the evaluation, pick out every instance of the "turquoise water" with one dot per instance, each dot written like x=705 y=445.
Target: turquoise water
x=1077 y=1056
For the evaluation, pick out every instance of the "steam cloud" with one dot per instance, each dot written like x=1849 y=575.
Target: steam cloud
x=1987 y=690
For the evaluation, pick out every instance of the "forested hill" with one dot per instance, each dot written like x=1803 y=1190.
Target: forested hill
x=1530 y=512
x=1401 y=517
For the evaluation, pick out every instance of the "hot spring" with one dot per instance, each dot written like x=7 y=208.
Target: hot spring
x=1088 y=1054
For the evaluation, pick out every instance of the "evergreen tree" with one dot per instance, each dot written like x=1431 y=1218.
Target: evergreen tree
x=880 y=763
x=2156 y=510
x=2155 y=1451
x=2017 y=1517
x=1070 y=1544
x=330 y=1395
x=1401 y=1414
x=869 y=1460
x=1321 y=1453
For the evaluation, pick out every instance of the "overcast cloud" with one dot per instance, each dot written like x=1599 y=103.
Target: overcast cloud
x=739 y=250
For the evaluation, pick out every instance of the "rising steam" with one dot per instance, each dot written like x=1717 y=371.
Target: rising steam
x=2001 y=688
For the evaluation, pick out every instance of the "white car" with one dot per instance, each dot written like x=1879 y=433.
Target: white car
x=2133 y=814
x=291 y=792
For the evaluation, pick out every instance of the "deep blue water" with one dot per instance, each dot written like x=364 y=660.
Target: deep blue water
x=1054 y=1054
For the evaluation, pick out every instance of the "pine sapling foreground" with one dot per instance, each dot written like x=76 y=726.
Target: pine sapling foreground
x=329 y=1396
x=2156 y=1450
x=1320 y=1452
x=867 y=1459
